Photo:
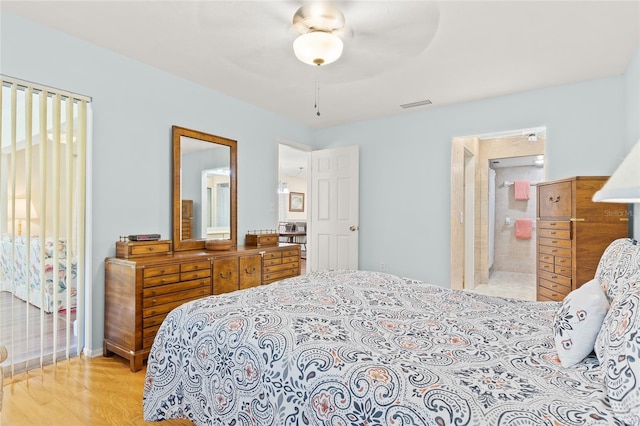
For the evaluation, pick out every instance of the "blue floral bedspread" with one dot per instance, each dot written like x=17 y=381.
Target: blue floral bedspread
x=366 y=348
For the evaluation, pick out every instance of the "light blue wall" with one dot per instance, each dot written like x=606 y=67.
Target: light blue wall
x=405 y=164
x=405 y=160
x=134 y=108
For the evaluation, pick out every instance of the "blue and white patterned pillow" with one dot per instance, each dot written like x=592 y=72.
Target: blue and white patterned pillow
x=578 y=321
x=618 y=350
x=619 y=267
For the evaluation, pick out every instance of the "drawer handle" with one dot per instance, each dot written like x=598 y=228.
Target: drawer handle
x=556 y=200
x=553 y=224
x=553 y=294
x=553 y=232
x=226 y=277
x=154 y=301
x=554 y=241
x=153 y=292
x=249 y=272
x=554 y=286
x=554 y=276
x=163 y=281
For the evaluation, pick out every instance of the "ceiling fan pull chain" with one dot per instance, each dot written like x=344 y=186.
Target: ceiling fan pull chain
x=317 y=94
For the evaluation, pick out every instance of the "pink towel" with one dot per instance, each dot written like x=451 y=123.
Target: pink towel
x=523 y=229
x=521 y=189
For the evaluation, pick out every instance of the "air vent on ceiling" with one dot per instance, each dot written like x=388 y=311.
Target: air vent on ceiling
x=416 y=104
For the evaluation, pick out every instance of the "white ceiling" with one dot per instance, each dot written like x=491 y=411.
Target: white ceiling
x=396 y=52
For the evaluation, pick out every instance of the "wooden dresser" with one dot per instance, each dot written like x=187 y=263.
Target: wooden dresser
x=141 y=289
x=572 y=233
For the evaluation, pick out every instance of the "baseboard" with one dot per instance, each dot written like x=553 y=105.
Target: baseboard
x=92 y=353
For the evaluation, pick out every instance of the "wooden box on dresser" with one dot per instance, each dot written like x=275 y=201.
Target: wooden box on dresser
x=141 y=291
x=572 y=233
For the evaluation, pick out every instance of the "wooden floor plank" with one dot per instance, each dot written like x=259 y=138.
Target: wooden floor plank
x=83 y=391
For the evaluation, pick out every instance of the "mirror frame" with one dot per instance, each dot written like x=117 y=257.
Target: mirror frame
x=199 y=243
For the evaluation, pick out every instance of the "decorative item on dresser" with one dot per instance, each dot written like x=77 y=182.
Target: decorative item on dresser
x=140 y=291
x=572 y=233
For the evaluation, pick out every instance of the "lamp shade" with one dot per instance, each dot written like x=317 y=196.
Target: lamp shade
x=624 y=184
x=21 y=209
x=318 y=48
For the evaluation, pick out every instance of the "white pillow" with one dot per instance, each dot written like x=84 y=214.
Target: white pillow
x=578 y=321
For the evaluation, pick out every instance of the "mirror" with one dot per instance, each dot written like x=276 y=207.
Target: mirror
x=204 y=189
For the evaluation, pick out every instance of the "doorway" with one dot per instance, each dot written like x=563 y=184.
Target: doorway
x=293 y=200
x=470 y=224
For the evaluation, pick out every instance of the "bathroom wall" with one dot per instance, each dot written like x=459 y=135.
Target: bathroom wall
x=511 y=254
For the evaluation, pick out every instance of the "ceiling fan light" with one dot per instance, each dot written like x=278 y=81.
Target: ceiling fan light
x=318 y=48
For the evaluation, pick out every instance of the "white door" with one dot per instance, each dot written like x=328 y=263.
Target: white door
x=335 y=186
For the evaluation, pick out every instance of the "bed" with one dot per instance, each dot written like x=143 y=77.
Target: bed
x=368 y=348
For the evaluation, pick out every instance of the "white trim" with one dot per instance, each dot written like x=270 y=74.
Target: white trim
x=88 y=246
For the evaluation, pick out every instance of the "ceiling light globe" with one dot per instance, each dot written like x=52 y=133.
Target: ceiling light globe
x=318 y=48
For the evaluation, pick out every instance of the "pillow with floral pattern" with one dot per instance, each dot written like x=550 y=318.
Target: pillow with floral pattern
x=578 y=321
x=618 y=350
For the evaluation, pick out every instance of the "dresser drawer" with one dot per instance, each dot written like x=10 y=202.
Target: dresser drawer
x=547 y=258
x=161 y=280
x=554 y=224
x=555 y=242
x=154 y=271
x=154 y=306
x=272 y=255
x=174 y=288
x=562 y=261
x=279 y=275
x=195 y=275
x=292 y=252
x=563 y=270
x=554 y=200
x=549 y=267
x=184 y=295
x=290 y=259
x=153 y=321
x=137 y=249
x=555 y=278
x=195 y=266
x=554 y=251
x=271 y=262
x=545 y=293
x=563 y=234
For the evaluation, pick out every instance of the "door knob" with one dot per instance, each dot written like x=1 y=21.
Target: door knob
x=353 y=228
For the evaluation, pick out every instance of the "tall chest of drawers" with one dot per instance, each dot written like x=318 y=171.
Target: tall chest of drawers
x=141 y=291
x=572 y=233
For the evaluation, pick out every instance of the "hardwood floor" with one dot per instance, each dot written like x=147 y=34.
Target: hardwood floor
x=24 y=343
x=82 y=391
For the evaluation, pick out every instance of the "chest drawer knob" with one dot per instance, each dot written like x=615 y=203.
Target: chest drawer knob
x=554 y=200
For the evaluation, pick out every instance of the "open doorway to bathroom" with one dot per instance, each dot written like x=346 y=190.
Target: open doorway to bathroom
x=472 y=230
x=512 y=225
x=293 y=200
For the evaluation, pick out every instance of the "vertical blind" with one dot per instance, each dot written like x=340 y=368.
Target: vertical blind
x=42 y=223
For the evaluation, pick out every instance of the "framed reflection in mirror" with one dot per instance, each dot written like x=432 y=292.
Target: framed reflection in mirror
x=204 y=189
